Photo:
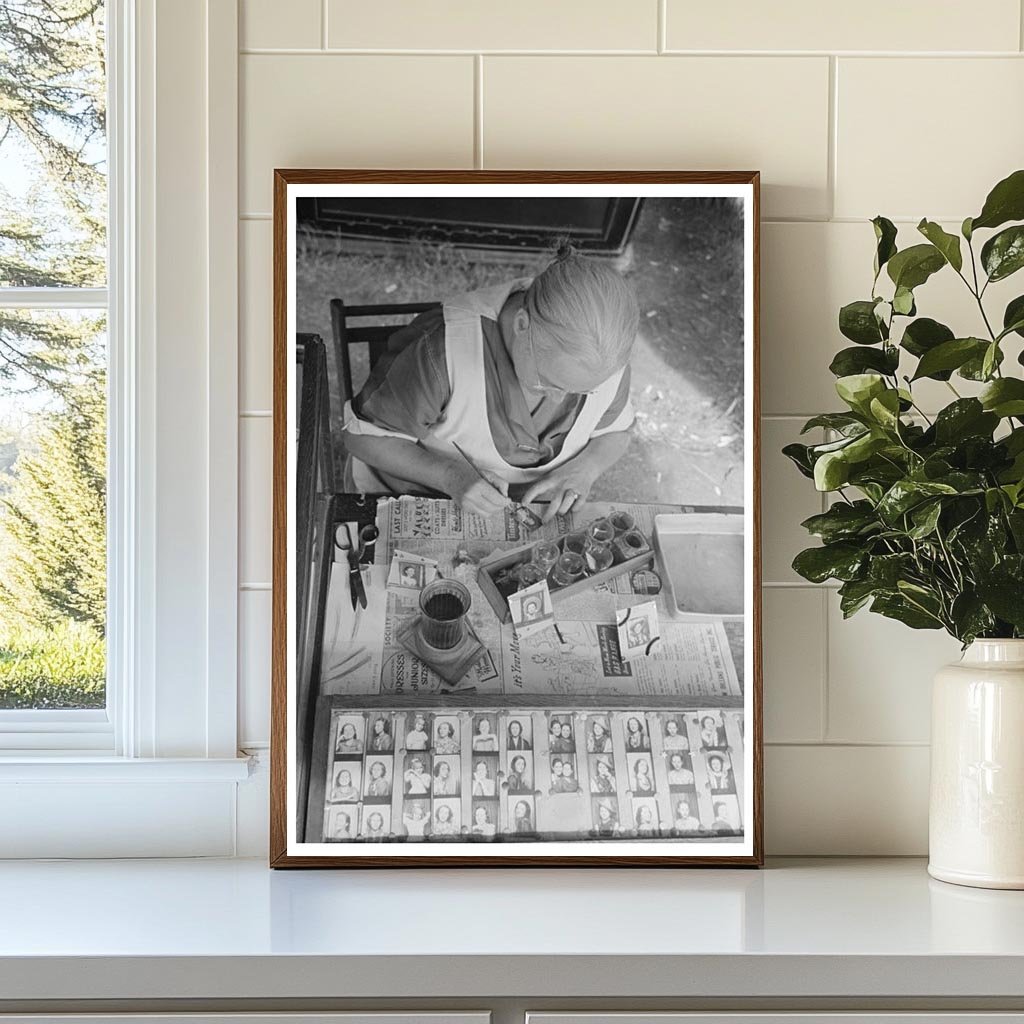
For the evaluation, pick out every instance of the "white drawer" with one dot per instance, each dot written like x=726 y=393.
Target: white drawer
x=358 y=1017
x=790 y=1017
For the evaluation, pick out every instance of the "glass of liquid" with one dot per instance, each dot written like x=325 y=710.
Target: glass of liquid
x=444 y=605
x=570 y=568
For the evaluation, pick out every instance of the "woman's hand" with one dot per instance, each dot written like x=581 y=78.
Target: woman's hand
x=473 y=492
x=563 y=487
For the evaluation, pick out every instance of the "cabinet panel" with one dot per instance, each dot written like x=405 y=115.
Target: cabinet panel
x=359 y=1017
x=789 y=1017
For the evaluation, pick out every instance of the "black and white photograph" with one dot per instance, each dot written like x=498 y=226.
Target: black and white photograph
x=531 y=408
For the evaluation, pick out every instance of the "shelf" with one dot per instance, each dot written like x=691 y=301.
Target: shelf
x=232 y=929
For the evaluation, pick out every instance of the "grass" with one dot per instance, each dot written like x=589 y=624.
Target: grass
x=60 y=667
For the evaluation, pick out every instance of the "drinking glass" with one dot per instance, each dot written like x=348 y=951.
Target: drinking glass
x=601 y=531
x=568 y=569
x=444 y=605
x=545 y=555
x=622 y=522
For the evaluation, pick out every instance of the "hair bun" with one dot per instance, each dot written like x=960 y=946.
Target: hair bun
x=565 y=251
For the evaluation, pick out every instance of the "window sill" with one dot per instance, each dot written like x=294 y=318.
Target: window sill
x=79 y=767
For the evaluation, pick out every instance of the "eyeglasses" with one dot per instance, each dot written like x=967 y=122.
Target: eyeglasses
x=540 y=385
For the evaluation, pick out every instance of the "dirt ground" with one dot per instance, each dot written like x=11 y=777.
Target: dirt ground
x=686 y=263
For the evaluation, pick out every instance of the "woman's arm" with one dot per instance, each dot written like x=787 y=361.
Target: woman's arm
x=410 y=461
x=572 y=481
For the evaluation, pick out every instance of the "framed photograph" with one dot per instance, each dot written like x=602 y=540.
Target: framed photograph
x=516 y=607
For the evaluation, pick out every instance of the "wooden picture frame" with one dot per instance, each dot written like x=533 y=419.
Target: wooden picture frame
x=291 y=787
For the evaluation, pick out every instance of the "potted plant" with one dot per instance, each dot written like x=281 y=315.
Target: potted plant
x=926 y=524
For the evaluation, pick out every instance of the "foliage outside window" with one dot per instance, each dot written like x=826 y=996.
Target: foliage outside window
x=53 y=213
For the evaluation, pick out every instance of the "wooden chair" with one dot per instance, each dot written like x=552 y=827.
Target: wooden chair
x=375 y=336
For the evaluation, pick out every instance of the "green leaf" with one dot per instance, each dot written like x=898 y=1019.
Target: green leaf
x=885 y=409
x=966 y=417
x=912 y=267
x=800 y=456
x=858 y=389
x=1003 y=254
x=965 y=229
x=974 y=368
x=971 y=617
x=947 y=244
x=990 y=360
x=925 y=518
x=903 y=302
x=1013 y=317
x=1005 y=202
x=950 y=355
x=897 y=607
x=841 y=421
x=831 y=471
x=885 y=237
x=1003 y=595
x=840 y=561
x=849 y=361
x=923 y=335
x=843 y=521
x=857 y=321
x=1004 y=397
x=906 y=494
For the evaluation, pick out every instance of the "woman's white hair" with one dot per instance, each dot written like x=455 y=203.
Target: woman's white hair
x=589 y=307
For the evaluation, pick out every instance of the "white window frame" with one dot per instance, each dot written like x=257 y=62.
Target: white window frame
x=171 y=714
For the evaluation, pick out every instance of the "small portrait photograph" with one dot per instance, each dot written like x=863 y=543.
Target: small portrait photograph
x=348 y=738
x=345 y=782
x=634 y=729
x=637 y=630
x=645 y=817
x=416 y=777
x=712 y=731
x=560 y=735
x=602 y=774
x=375 y=823
x=641 y=773
x=726 y=819
x=485 y=734
x=599 y=735
x=379 y=778
x=410 y=575
x=685 y=821
x=531 y=609
x=606 y=816
x=720 y=776
x=485 y=818
x=417 y=730
x=340 y=826
x=416 y=818
x=673 y=733
x=680 y=770
x=521 y=818
x=520 y=773
x=446 y=819
x=485 y=778
x=381 y=735
x=563 y=774
x=447 y=772
x=519 y=734
x=446 y=735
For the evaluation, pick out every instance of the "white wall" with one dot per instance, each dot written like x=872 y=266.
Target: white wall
x=909 y=109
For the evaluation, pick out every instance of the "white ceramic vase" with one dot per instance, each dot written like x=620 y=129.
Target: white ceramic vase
x=976 y=815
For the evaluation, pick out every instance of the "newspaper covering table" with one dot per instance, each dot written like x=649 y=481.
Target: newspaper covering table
x=362 y=655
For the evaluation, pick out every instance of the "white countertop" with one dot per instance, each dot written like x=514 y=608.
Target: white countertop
x=234 y=929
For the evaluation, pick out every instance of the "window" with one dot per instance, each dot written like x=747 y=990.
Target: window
x=53 y=363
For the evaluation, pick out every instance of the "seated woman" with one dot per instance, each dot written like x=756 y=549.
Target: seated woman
x=522 y=385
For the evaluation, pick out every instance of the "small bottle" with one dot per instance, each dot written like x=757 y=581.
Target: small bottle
x=569 y=569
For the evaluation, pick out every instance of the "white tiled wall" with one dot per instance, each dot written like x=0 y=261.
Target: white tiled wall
x=906 y=109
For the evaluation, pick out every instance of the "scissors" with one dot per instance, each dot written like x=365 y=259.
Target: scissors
x=356 y=555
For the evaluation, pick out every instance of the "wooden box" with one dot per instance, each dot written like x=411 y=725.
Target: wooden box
x=501 y=561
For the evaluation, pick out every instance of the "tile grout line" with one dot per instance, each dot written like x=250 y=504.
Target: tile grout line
x=831 y=171
x=340 y=51
x=478 y=111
